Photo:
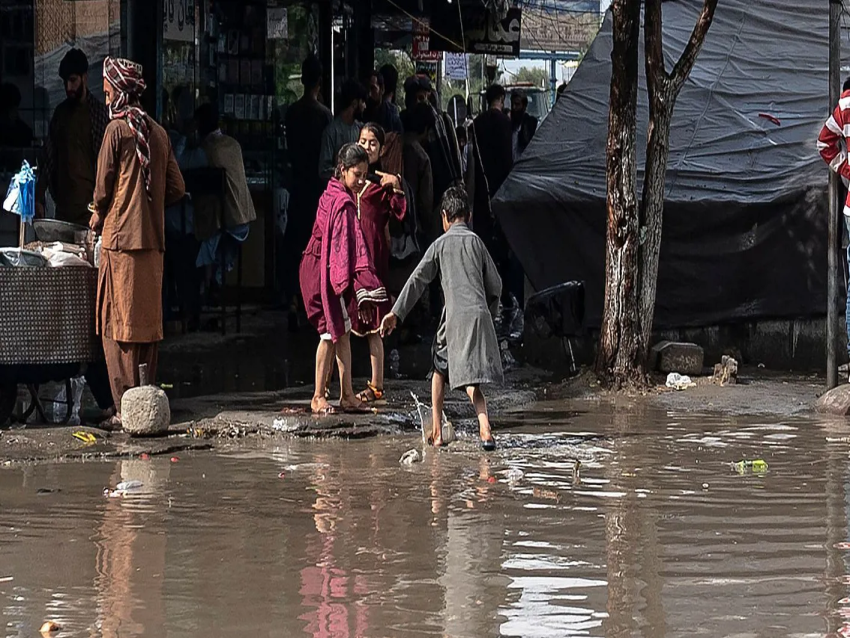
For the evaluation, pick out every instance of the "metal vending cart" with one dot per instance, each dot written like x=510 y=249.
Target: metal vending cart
x=47 y=314
x=47 y=333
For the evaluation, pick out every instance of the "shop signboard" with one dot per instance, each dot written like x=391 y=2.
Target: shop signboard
x=178 y=20
x=559 y=25
x=277 y=22
x=481 y=32
x=456 y=66
x=422 y=49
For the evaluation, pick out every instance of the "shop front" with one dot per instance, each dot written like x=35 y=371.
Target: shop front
x=34 y=37
x=245 y=56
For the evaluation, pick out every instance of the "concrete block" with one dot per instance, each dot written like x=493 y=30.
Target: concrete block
x=835 y=402
x=145 y=411
x=684 y=358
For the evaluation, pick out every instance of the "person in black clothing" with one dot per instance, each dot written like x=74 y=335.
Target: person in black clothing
x=417 y=88
x=493 y=163
x=390 y=75
x=493 y=131
x=524 y=126
x=378 y=109
x=441 y=144
x=305 y=121
x=493 y=135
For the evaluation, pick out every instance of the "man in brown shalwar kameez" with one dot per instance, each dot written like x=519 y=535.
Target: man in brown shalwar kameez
x=137 y=177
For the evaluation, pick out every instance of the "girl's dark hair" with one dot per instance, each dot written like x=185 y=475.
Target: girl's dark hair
x=350 y=156
x=377 y=130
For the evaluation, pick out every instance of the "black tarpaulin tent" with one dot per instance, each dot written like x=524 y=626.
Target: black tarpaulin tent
x=746 y=211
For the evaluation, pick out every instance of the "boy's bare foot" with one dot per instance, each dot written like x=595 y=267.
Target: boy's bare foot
x=321 y=407
x=436 y=438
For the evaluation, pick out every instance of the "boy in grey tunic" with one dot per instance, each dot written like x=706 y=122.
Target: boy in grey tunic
x=466 y=351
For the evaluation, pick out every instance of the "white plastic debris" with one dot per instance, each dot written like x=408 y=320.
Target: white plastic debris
x=58 y=408
x=410 y=457
x=122 y=489
x=679 y=381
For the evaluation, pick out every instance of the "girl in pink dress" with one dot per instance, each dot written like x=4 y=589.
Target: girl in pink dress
x=338 y=281
x=381 y=199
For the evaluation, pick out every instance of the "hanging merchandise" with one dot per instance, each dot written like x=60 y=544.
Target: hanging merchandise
x=20 y=198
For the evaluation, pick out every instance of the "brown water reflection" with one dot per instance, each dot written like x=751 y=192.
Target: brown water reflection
x=659 y=538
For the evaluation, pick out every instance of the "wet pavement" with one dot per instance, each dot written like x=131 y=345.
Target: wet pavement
x=657 y=535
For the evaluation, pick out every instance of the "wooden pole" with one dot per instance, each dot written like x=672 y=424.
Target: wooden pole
x=834 y=237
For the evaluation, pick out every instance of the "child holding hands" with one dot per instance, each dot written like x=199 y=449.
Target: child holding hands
x=465 y=353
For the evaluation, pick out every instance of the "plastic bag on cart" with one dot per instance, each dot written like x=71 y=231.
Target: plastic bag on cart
x=20 y=198
x=57 y=409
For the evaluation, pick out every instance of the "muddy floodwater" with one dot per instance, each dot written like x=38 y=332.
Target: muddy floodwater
x=657 y=536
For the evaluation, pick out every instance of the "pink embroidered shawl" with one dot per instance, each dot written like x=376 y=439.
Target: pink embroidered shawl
x=346 y=269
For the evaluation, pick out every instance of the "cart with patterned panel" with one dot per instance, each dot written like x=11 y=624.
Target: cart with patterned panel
x=47 y=333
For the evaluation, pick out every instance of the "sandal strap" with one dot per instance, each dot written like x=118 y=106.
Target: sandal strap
x=378 y=392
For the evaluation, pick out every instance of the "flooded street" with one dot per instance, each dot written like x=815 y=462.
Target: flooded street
x=656 y=536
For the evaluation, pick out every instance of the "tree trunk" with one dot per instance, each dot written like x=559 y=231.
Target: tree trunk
x=652 y=209
x=634 y=235
x=620 y=348
x=663 y=90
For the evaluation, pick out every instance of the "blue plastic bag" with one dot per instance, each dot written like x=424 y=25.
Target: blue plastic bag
x=20 y=198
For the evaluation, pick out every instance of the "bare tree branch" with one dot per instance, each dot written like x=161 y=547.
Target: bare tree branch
x=683 y=67
x=654 y=47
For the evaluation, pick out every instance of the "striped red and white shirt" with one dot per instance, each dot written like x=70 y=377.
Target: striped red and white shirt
x=832 y=142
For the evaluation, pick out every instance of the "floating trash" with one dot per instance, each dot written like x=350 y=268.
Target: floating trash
x=122 y=489
x=410 y=457
x=756 y=466
x=86 y=437
x=678 y=381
